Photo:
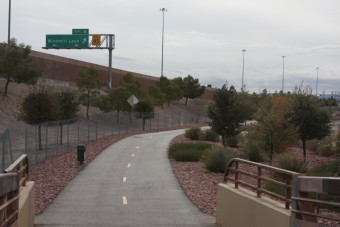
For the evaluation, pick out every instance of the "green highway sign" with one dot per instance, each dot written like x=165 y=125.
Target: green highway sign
x=80 y=31
x=67 y=41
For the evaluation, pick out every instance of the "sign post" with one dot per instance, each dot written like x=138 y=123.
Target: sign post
x=80 y=39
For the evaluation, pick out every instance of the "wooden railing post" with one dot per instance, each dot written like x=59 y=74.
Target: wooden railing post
x=259 y=183
x=236 y=174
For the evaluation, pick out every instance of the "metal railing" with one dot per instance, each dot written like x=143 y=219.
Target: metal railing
x=11 y=183
x=235 y=170
x=40 y=142
x=20 y=166
x=307 y=201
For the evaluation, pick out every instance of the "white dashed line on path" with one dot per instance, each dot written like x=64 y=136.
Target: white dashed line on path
x=133 y=155
x=129 y=165
x=124 y=200
x=137 y=147
x=124 y=179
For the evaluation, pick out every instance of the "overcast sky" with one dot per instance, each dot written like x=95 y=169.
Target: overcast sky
x=202 y=38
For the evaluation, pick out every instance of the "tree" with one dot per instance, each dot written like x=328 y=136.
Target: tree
x=15 y=64
x=39 y=106
x=144 y=110
x=88 y=83
x=274 y=133
x=170 y=88
x=156 y=96
x=132 y=85
x=191 y=88
x=305 y=112
x=69 y=107
x=226 y=113
x=116 y=99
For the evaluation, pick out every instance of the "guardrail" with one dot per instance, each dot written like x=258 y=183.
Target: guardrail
x=235 y=167
x=20 y=166
x=9 y=199
x=11 y=183
x=307 y=194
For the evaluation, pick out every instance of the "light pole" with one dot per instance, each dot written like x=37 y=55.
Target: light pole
x=243 y=51
x=283 y=73
x=317 y=81
x=163 y=11
x=9 y=21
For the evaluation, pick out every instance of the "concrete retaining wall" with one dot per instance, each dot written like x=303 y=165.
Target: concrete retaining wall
x=26 y=205
x=241 y=208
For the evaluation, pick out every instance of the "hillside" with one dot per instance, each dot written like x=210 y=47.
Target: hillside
x=10 y=105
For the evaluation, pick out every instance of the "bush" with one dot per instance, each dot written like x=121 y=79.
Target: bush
x=253 y=151
x=232 y=141
x=326 y=149
x=292 y=164
x=193 y=133
x=187 y=152
x=331 y=169
x=211 y=135
x=216 y=159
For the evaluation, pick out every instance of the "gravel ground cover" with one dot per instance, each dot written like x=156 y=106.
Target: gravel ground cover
x=200 y=185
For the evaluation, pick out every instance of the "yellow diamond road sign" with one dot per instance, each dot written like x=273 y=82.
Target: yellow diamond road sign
x=96 y=40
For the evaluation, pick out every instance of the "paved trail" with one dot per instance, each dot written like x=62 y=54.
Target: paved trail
x=129 y=184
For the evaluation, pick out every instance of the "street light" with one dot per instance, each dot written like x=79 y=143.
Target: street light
x=317 y=81
x=243 y=51
x=9 y=22
x=283 y=73
x=163 y=10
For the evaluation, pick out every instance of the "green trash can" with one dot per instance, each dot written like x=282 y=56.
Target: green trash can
x=81 y=153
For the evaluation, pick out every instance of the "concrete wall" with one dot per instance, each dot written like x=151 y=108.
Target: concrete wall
x=241 y=208
x=26 y=205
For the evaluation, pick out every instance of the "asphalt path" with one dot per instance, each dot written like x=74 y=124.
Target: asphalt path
x=129 y=184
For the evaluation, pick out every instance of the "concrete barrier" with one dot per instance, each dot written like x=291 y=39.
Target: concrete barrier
x=26 y=205
x=240 y=207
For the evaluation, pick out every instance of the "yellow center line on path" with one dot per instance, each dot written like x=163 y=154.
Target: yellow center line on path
x=124 y=200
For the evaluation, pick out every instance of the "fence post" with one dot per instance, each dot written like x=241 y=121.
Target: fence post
x=9 y=146
x=68 y=134
x=46 y=142
x=25 y=140
x=78 y=132
x=96 y=130
x=3 y=153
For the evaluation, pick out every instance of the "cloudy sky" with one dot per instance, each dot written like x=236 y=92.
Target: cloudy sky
x=202 y=38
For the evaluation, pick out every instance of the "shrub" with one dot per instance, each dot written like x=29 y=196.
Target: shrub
x=232 y=141
x=217 y=158
x=211 y=135
x=292 y=164
x=253 y=151
x=331 y=169
x=326 y=149
x=187 y=152
x=193 y=133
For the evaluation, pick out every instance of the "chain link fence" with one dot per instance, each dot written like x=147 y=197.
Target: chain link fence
x=43 y=141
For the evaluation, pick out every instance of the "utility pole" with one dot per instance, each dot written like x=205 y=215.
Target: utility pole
x=163 y=10
x=317 y=81
x=283 y=73
x=9 y=22
x=243 y=51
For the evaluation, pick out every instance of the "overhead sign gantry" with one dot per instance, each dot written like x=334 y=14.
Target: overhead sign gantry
x=81 y=39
